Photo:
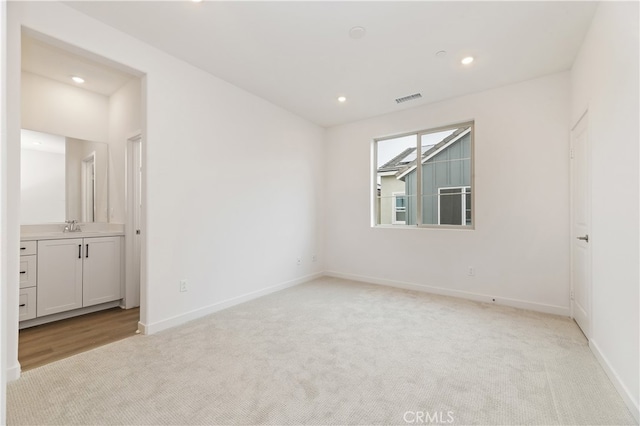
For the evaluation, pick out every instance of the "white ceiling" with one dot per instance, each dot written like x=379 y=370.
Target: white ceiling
x=299 y=55
x=46 y=60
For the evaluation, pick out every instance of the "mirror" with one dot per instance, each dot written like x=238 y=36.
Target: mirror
x=62 y=178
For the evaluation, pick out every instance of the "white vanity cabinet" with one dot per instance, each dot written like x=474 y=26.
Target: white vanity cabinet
x=59 y=275
x=78 y=272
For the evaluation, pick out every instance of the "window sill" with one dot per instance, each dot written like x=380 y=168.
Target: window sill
x=431 y=227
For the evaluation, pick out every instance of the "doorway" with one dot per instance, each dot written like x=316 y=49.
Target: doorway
x=581 y=225
x=113 y=98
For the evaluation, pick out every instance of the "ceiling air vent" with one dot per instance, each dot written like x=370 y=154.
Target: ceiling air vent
x=408 y=98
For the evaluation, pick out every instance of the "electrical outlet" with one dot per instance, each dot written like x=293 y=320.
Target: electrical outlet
x=314 y=258
x=299 y=261
x=183 y=286
x=471 y=271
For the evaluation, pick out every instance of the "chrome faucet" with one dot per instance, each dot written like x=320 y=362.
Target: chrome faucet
x=71 y=226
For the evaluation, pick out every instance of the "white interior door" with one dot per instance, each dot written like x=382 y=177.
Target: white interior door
x=133 y=228
x=580 y=226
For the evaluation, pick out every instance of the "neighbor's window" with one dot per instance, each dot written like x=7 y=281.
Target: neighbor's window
x=434 y=188
x=399 y=205
x=452 y=206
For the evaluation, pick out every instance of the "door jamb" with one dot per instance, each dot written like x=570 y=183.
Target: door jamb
x=129 y=220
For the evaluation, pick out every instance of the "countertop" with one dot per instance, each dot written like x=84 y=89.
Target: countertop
x=57 y=235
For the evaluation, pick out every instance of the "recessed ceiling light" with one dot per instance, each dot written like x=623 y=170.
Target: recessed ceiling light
x=342 y=99
x=467 y=60
x=357 y=32
x=197 y=1
x=441 y=53
x=77 y=79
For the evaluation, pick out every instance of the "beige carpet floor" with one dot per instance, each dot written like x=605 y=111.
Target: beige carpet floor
x=333 y=352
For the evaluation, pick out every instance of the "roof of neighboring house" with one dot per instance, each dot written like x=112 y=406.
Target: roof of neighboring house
x=433 y=150
x=397 y=162
x=406 y=160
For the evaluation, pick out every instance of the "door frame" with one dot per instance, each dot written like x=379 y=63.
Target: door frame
x=88 y=211
x=572 y=186
x=133 y=260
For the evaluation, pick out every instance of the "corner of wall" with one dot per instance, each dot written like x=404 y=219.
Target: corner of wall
x=633 y=406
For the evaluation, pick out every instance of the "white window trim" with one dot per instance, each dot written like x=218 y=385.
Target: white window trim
x=375 y=206
x=463 y=194
x=394 y=210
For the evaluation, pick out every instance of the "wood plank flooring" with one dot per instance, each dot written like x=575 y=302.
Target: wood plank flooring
x=51 y=342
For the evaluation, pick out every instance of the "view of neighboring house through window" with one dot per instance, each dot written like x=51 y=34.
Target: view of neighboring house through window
x=399 y=205
x=432 y=189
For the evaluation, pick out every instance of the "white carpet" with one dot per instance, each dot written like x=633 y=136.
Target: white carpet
x=333 y=352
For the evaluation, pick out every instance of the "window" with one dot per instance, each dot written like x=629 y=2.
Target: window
x=452 y=206
x=425 y=178
x=399 y=206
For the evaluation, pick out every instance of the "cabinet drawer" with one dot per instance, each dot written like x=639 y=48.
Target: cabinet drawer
x=28 y=248
x=28 y=268
x=27 y=306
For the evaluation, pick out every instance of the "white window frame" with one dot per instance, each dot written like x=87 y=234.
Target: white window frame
x=463 y=206
x=394 y=208
x=375 y=205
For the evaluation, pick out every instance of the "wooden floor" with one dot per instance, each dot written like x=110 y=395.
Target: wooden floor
x=46 y=343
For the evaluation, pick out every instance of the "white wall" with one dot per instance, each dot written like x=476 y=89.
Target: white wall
x=605 y=81
x=11 y=199
x=61 y=109
x=4 y=174
x=124 y=121
x=199 y=131
x=520 y=245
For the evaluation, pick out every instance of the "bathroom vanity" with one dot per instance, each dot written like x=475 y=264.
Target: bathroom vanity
x=66 y=268
x=64 y=274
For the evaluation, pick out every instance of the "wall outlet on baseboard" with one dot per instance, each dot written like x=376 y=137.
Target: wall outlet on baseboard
x=471 y=271
x=183 y=286
x=299 y=261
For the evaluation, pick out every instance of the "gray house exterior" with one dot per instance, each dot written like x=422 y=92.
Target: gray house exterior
x=446 y=182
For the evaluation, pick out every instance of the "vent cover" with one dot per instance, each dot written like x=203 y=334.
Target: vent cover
x=408 y=98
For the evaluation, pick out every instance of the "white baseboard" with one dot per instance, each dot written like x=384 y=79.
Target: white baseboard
x=13 y=373
x=632 y=405
x=201 y=312
x=478 y=297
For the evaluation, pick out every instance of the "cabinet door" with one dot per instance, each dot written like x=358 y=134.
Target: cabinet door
x=102 y=274
x=59 y=276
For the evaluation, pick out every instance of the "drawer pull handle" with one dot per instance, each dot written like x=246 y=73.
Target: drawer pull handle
x=22 y=305
x=23 y=248
x=23 y=272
